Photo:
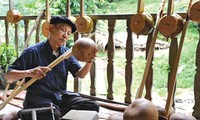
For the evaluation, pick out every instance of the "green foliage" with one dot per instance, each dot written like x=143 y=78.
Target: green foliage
x=98 y=7
x=58 y=7
x=192 y=26
x=7 y=55
x=188 y=57
x=91 y=6
x=70 y=42
x=29 y=7
x=161 y=70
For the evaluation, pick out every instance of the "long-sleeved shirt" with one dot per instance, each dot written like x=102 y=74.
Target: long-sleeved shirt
x=48 y=89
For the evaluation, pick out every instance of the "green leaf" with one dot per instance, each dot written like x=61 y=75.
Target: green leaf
x=7 y=55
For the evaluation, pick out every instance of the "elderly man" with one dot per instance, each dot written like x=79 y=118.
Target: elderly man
x=50 y=88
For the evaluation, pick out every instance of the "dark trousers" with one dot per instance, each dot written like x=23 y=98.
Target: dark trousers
x=75 y=102
x=67 y=103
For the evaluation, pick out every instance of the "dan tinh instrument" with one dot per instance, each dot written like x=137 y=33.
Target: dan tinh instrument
x=84 y=23
x=151 y=50
x=172 y=83
x=141 y=23
x=172 y=23
x=150 y=54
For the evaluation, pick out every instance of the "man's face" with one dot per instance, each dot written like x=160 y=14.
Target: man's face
x=59 y=33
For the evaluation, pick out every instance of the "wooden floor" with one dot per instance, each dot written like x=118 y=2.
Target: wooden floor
x=102 y=115
x=184 y=104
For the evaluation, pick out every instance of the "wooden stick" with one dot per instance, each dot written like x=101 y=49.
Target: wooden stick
x=68 y=9
x=34 y=27
x=91 y=35
x=150 y=53
x=47 y=11
x=115 y=107
x=18 y=84
x=170 y=9
x=82 y=8
x=66 y=55
x=102 y=99
x=175 y=67
x=10 y=6
x=6 y=89
x=140 y=6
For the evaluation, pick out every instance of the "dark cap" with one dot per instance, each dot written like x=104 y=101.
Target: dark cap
x=63 y=19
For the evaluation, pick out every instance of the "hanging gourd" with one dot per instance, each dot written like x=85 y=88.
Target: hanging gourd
x=194 y=13
x=141 y=23
x=172 y=23
x=84 y=23
x=84 y=49
x=45 y=25
x=13 y=16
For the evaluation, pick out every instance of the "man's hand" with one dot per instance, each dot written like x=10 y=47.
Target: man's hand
x=38 y=72
x=90 y=61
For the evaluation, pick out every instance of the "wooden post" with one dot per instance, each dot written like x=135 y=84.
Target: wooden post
x=196 y=112
x=93 y=69
x=37 y=39
x=17 y=39
x=77 y=81
x=110 y=53
x=26 y=22
x=149 y=80
x=129 y=58
x=172 y=54
x=6 y=34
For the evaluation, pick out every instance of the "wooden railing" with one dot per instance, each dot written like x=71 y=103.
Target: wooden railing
x=110 y=55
